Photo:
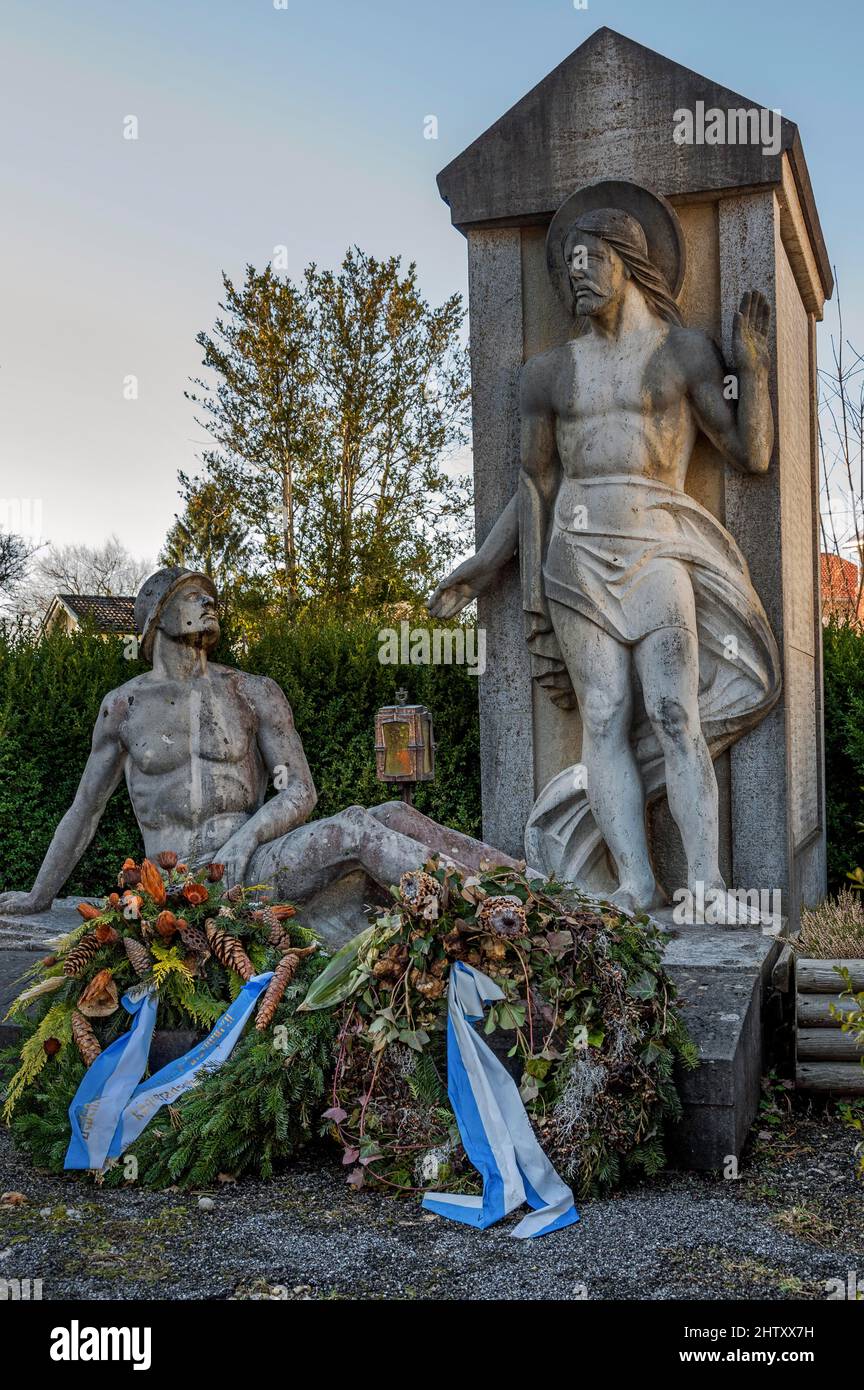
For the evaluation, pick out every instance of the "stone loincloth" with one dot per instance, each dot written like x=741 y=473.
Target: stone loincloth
x=607 y=578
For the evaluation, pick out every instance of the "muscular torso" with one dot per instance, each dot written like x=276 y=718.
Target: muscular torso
x=191 y=746
x=621 y=409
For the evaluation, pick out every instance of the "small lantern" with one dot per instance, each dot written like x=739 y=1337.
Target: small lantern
x=404 y=744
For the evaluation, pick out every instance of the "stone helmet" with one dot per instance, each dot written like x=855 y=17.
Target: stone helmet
x=153 y=596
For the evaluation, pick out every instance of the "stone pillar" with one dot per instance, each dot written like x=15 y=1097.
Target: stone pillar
x=749 y=222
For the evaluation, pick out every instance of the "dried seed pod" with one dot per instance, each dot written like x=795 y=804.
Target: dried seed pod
x=167 y=859
x=99 y=998
x=152 y=882
x=421 y=893
x=193 y=938
x=505 y=916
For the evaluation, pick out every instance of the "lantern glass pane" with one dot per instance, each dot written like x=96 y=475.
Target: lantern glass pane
x=426 y=726
x=397 y=757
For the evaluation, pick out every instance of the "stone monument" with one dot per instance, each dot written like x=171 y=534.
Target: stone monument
x=661 y=492
x=198 y=744
x=597 y=146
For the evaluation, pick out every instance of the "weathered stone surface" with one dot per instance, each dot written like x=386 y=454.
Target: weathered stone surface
x=607 y=111
x=749 y=221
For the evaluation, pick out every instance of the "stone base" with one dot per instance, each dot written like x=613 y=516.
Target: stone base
x=22 y=941
x=723 y=975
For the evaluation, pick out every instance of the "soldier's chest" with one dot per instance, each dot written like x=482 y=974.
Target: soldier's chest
x=179 y=724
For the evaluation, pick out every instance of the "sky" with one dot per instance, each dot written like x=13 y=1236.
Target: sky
x=298 y=126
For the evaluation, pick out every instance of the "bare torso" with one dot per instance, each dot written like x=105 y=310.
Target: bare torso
x=191 y=750
x=621 y=410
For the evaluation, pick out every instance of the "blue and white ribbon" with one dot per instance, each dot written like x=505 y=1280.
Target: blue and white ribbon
x=107 y=1085
x=495 y=1129
x=110 y=1108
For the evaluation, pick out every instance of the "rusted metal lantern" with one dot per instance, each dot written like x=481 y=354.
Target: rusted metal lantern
x=404 y=745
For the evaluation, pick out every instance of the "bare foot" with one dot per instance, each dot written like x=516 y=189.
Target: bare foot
x=637 y=899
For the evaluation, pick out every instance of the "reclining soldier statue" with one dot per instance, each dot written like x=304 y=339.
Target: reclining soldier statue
x=198 y=743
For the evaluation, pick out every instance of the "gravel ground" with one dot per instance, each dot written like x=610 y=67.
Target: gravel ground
x=793 y=1220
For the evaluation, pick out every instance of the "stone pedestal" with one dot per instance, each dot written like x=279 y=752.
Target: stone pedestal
x=23 y=940
x=749 y=222
x=723 y=975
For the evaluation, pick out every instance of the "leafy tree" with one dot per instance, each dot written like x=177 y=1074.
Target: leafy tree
x=333 y=406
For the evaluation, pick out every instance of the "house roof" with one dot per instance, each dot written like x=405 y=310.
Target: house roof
x=607 y=111
x=106 y=612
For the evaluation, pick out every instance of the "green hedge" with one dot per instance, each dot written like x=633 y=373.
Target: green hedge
x=50 y=692
x=844 y=749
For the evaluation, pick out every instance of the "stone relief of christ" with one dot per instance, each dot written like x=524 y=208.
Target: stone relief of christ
x=638 y=604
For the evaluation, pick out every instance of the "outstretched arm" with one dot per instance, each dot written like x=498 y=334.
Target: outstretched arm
x=475 y=574
x=283 y=756
x=537 y=450
x=743 y=434
x=102 y=774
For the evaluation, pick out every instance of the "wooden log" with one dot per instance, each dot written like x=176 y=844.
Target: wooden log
x=820 y=976
x=846 y=1078
x=814 y=1010
x=827 y=1045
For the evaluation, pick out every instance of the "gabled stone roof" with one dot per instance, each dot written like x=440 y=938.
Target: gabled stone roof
x=607 y=111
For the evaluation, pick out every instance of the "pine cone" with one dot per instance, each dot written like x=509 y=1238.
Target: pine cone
x=85 y=1039
x=81 y=954
x=505 y=916
x=279 y=937
x=227 y=949
x=282 y=976
x=142 y=961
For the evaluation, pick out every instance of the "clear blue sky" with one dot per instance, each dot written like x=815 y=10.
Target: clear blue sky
x=304 y=127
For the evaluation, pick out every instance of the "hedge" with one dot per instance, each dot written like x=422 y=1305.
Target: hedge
x=50 y=692
x=844 y=749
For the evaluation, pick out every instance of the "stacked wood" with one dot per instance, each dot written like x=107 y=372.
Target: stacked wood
x=826 y=1058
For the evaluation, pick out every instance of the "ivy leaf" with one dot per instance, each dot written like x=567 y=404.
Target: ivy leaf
x=336 y=1114
x=642 y=986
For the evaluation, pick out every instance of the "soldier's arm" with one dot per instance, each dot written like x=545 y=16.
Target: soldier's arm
x=287 y=769
x=733 y=408
x=101 y=776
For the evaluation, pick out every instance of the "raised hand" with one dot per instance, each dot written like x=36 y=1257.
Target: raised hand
x=750 y=348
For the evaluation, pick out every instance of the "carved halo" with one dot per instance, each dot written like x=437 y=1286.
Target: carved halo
x=657 y=217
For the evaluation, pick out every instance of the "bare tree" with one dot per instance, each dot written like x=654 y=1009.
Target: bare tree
x=108 y=569
x=15 y=554
x=841 y=454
